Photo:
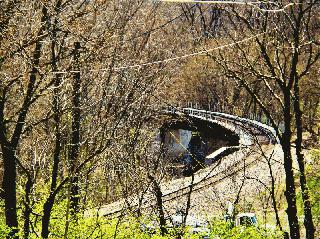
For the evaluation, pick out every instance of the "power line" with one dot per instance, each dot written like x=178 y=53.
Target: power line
x=138 y=66
x=203 y=52
x=246 y=3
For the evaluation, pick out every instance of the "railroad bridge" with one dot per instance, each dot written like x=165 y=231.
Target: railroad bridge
x=230 y=160
x=248 y=130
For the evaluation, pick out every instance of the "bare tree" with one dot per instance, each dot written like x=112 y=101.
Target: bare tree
x=285 y=51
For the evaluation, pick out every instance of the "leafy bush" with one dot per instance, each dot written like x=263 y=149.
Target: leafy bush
x=224 y=230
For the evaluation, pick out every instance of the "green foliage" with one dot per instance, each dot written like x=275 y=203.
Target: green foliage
x=313 y=173
x=313 y=177
x=128 y=227
x=4 y=230
x=224 y=230
x=85 y=227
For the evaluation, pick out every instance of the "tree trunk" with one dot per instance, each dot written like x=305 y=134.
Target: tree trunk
x=27 y=211
x=47 y=208
x=75 y=140
x=48 y=205
x=308 y=221
x=188 y=200
x=158 y=194
x=273 y=195
x=9 y=188
x=290 y=192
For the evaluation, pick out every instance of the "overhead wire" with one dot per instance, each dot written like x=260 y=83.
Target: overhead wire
x=203 y=52
x=161 y=26
x=167 y=60
x=254 y=4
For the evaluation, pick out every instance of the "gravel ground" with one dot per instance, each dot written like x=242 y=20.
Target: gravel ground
x=215 y=185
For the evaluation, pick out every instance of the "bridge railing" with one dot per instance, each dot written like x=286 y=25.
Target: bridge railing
x=227 y=110
x=268 y=130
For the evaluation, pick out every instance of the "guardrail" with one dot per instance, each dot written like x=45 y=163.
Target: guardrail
x=242 y=122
